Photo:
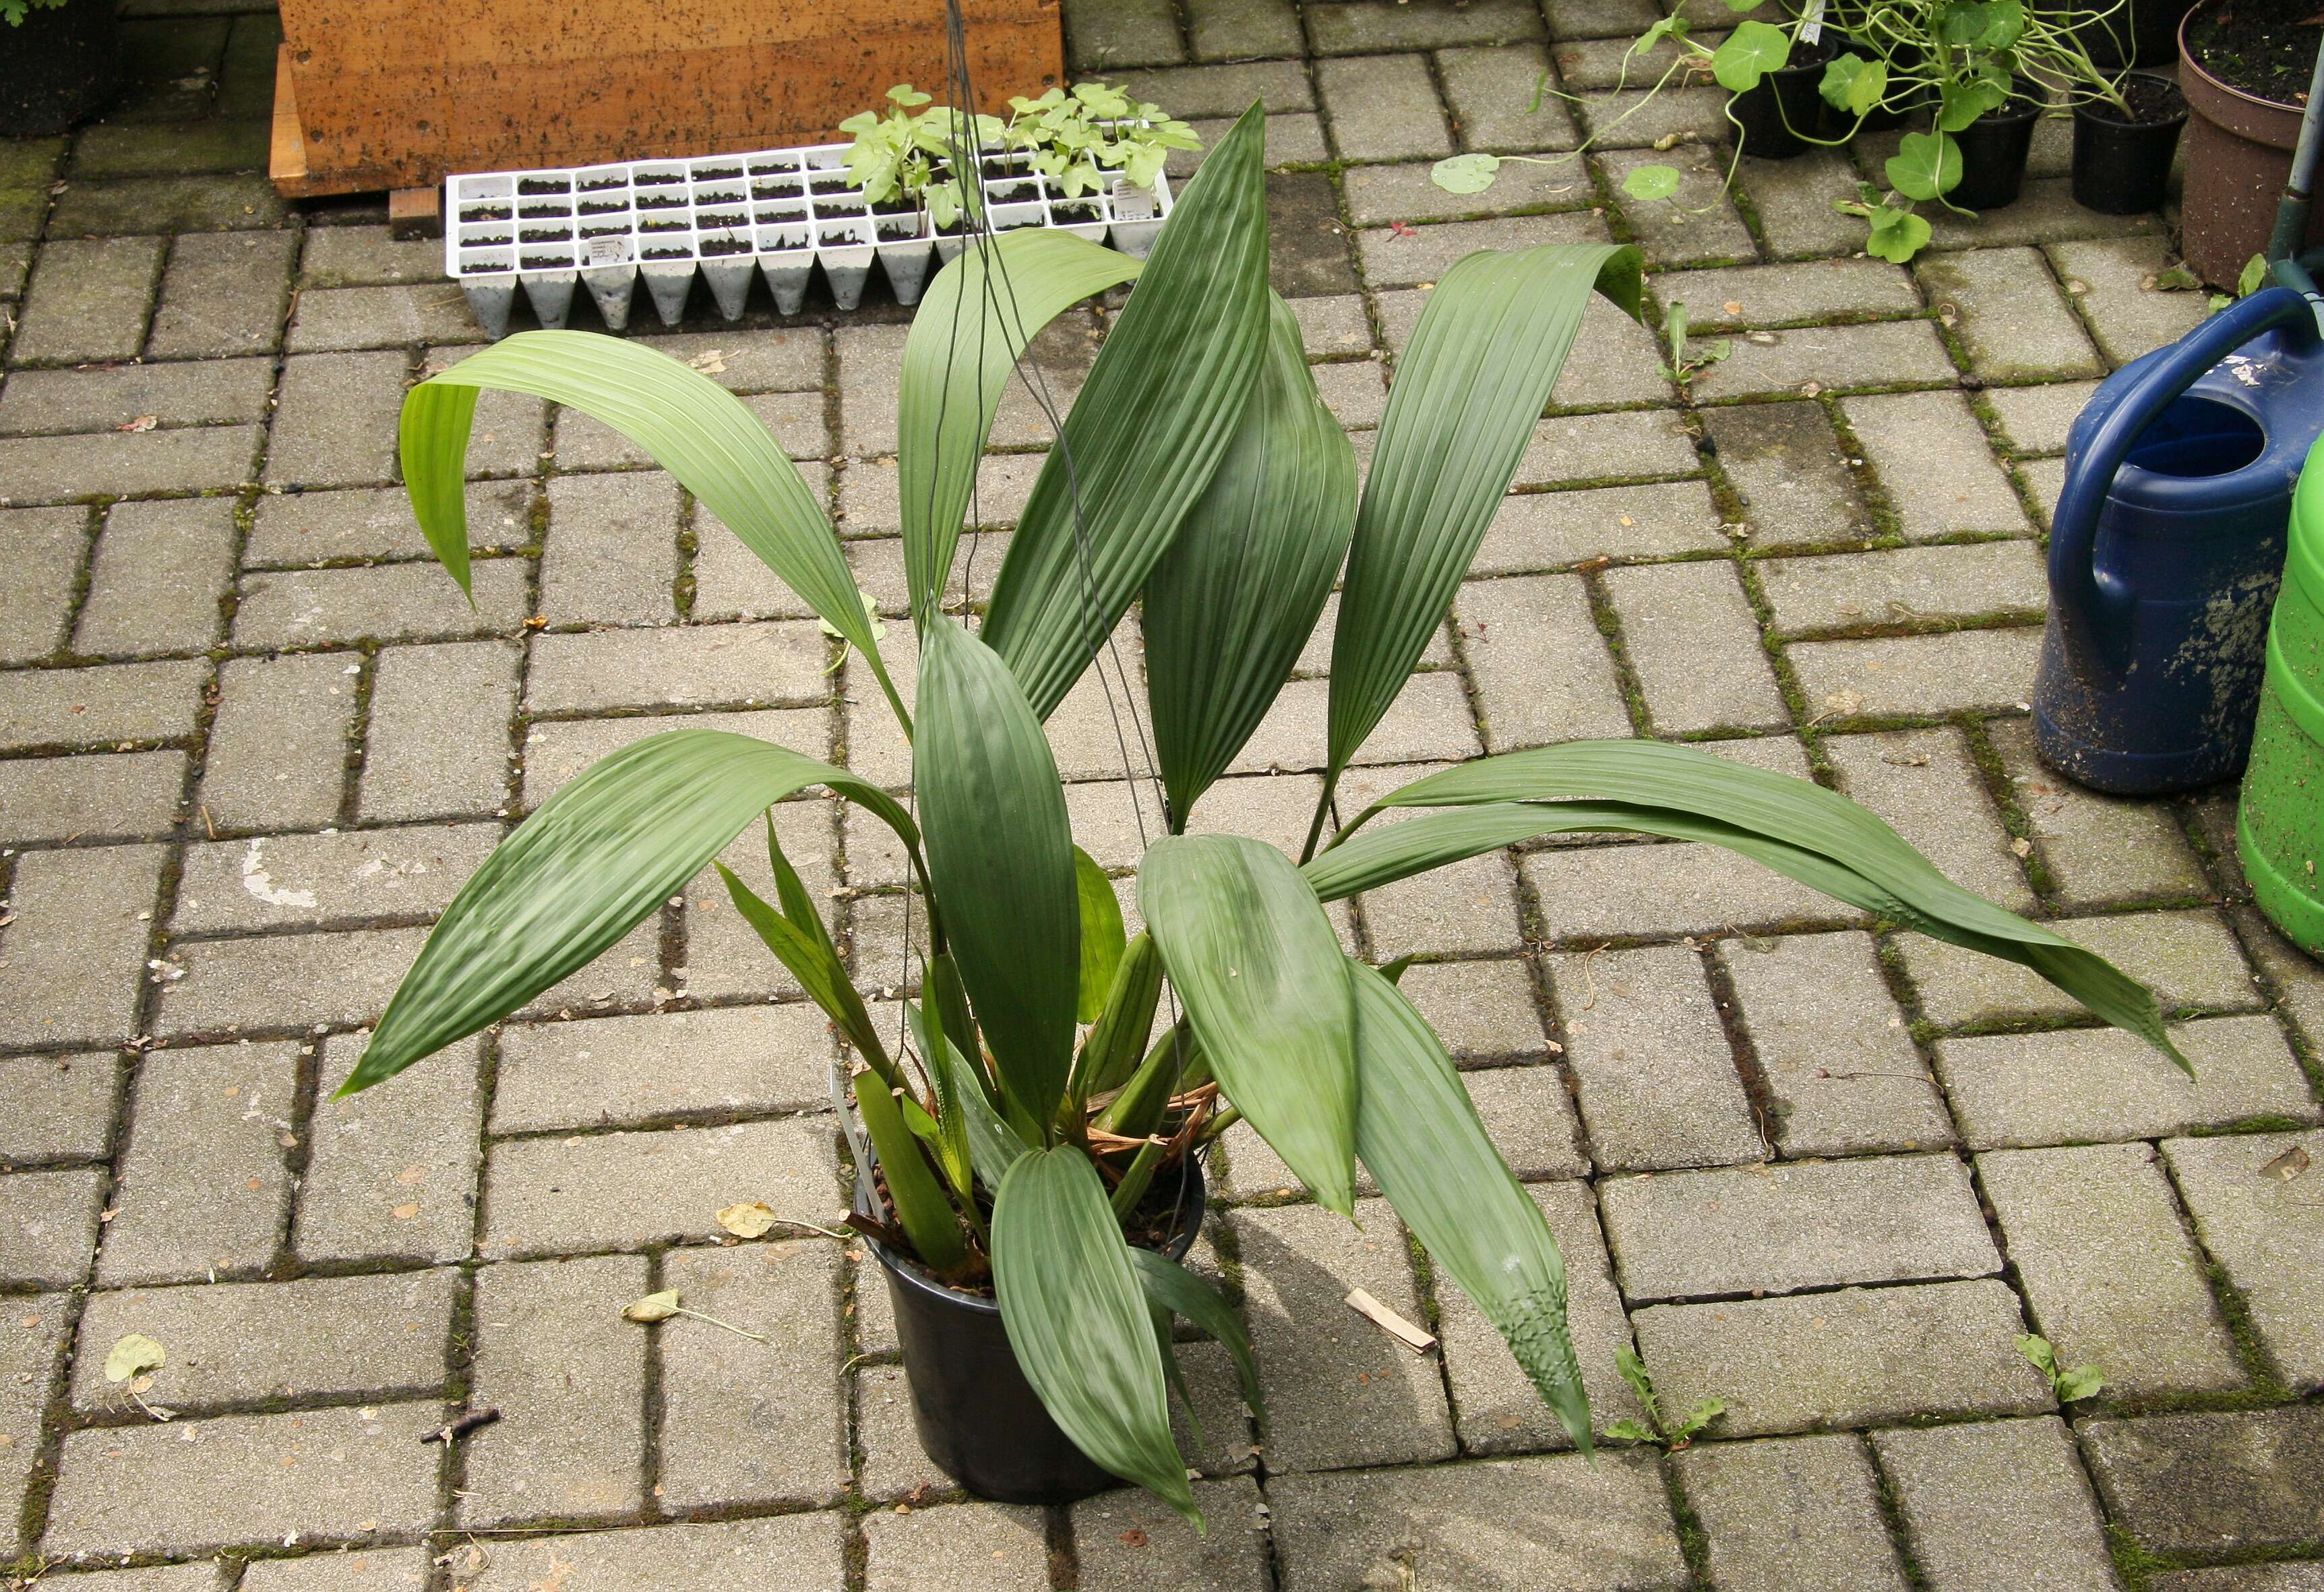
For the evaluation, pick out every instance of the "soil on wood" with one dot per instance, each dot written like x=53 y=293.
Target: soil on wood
x=2265 y=48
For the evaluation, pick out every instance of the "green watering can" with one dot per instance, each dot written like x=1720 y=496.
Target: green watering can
x=2280 y=824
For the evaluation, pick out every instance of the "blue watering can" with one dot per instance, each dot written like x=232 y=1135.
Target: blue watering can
x=2168 y=546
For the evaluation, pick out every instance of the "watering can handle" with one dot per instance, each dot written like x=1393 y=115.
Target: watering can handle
x=2079 y=592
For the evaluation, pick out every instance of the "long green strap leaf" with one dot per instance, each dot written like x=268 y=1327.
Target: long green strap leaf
x=1229 y=607
x=921 y=1209
x=1468 y=387
x=1149 y=428
x=602 y=853
x=993 y=1145
x=1171 y=1286
x=1000 y=852
x=1102 y=938
x=1816 y=835
x=1077 y=1316
x=1254 y=959
x=692 y=426
x=975 y=318
x=1117 y=1041
x=817 y=969
x=1421 y=1138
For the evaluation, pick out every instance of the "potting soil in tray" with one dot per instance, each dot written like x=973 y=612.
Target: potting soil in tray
x=2267 y=48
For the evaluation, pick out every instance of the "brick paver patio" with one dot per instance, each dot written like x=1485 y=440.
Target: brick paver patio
x=250 y=740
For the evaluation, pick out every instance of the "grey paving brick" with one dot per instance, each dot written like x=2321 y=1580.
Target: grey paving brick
x=15 y=261
x=568 y=1374
x=1544 y=530
x=1603 y=892
x=1697 y=225
x=1496 y=1526
x=190 y=149
x=1334 y=327
x=1362 y=29
x=1125 y=1539
x=1611 y=62
x=2211 y=1484
x=1242 y=30
x=1785 y=462
x=2002 y=1504
x=2129 y=315
x=391 y=1171
x=2188 y=959
x=753 y=1422
x=2297 y=983
x=1225 y=90
x=87 y=300
x=2099 y=849
x=183 y=393
x=1693 y=641
x=385 y=603
x=1843 y=1073
x=1926 y=675
x=62 y=1105
x=2108 y=1267
x=122 y=795
x=1600 y=19
x=328 y=1474
x=36 y=603
x=695 y=666
x=1542 y=670
x=1466 y=908
x=204 y=1186
x=1858 y=1356
x=224 y=294
x=2044 y=213
x=806 y=1551
x=1426 y=723
x=1765 y=296
x=53 y=1232
x=1928 y=788
x=1783 y=1228
x=2008 y=312
x=959 y=1547
x=436 y=747
x=894 y=1465
x=377 y=523
x=362 y=1569
x=1392 y=195
x=240 y=1343
x=190 y=458
x=1390 y=259
x=868 y=504
x=94 y=706
x=795 y=419
x=160 y=571
x=2268 y=1234
x=339 y=876
x=2043 y=480
x=1935 y=464
x=279 y=745
x=283 y=980
x=166 y=204
x=1293 y=138
x=1826 y=358
x=1657 y=1075
x=1793 y=200
x=1489 y=88
x=335 y=420
x=2100 y=1083
x=367 y=256
x=1124 y=32
x=1338 y=1390
x=1614 y=361
x=1496 y=1406
x=1528 y=1111
x=32 y=1337
x=1902 y=586
x=554 y=752
x=1308 y=248
x=1632 y=118
x=1574 y=448
x=200 y=1575
x=621 y=1070
x=1797 y=1514
x=71 y=960
x=331 y=319
x=2305 y=1576
x=1478 y=1008
x=2034 y=420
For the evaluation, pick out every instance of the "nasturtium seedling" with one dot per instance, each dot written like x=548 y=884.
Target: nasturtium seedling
x=1925 y=165
x=1751 y=52
x=1471 y=173
x=1896 y=234
x=1651 y=182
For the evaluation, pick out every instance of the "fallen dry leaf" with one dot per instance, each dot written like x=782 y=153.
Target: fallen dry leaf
x=710 y=363
x=750 y=1219
x=653 y=1307
x=133 y=1355
x=2284 y=1168
x=1733 y=307
x=2020 y=847
x=142 y=423
x=405 y=1212
x=1133 y=1538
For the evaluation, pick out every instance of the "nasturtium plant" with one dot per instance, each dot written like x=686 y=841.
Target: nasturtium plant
x=1748 y=53
x=1925 y=165
x=1651 y=182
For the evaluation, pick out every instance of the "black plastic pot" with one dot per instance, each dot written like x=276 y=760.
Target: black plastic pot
x=57 y=68
x=1784 y=105
x=1994 y=149
x=978 y=1418
x=2120 y=167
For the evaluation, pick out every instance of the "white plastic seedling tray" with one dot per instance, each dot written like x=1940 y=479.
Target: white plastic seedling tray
x=779 y=212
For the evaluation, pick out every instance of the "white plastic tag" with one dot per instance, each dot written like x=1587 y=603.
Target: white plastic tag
x=1130 y=202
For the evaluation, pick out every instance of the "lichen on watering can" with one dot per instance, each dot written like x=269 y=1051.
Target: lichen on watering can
x=2280 y=821
x=2168 y=546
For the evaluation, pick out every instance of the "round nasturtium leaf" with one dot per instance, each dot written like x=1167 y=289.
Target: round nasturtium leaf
x=1896 y=234
x=1751 y=52
x=1925 y=164
x=1651 y=182
x=1465 y=173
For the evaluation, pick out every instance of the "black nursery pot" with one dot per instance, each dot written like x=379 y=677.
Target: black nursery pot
x=1994 y=149
x=2120 y=167
x=57 y=68
x=1786 y=98
x=978 y=1418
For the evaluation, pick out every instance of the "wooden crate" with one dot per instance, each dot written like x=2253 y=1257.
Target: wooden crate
x=395 y=93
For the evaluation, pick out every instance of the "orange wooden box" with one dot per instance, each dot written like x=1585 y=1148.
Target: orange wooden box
x=395 y=93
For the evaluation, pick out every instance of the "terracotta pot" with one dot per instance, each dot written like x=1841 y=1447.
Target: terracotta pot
x=2238 y=159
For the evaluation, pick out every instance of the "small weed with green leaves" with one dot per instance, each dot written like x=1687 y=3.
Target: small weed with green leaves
x=2080 y=1382
x=1682 y=366
x=1671 y=1436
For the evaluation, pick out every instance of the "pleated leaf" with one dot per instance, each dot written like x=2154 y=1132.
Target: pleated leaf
x=692 y=426
x=922 y=1210
x=1422 y=1140
x=602 y=853
x=1816 y=835
x=1101 y=936
x=993 y=1145
x=1149 y=428
x=1077 y=1316
x=1002 y=856
x=1468 y=388
x=1262 y=978
x=1172 y=1287
x=1232 y=603
x=975 y=321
